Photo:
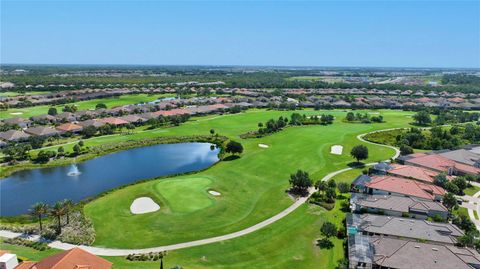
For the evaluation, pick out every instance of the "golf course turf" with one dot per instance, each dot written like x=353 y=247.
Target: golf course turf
x=253 y=186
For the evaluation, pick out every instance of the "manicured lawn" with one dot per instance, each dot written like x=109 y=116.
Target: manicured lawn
x=271 y=247
x=253 y=186
x=253 y=189
x=185 y=195
x=83 y=105
x=348 y=176
x=13 y=94
x=472 y=190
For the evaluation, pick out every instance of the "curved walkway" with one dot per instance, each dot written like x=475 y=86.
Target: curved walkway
x=123 y=252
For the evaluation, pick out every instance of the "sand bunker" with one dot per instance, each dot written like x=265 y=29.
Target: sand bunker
x=143 y=205
x=16 y=113
x=336 y=149
x=263 y=146
x=214 y=193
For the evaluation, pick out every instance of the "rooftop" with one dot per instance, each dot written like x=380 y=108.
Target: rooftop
x=409 y=171
x=404 y=227
x=405 y=186
x=396 y=203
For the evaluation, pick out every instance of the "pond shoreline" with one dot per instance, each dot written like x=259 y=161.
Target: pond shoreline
x=100 y=151
x=83 y=197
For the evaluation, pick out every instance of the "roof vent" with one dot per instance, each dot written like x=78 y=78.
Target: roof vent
x=417 y=246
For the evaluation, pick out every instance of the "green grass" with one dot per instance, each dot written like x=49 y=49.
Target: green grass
x=253 y=187
x=471 y=190
x=13 y=94
x=185 y=195
x=84 y=105
x=271 y=247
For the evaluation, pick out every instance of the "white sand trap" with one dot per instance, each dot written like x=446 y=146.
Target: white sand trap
x=143 y=205
x=16 y=113
x=336 y=149
x=214 y=193
x=263 y=146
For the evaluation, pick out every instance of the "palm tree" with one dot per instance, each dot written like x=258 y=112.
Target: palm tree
x=68 y=205
x=38 y=210
x=58 y=210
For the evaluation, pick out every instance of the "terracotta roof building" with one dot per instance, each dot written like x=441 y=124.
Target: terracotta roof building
x=390 y=185
x=442 y=164
x=76 y=258
x=69 y=127
x=413 y=172
x=113 y=121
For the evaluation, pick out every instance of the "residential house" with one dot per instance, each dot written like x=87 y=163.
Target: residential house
x=413 y=172
x=21 y=122
x=381 y=168
x=66 y=117
x=95 y=123
x=398 y=206
x=391 y=185
x=41 y=131
x=468 y=156
x=69 y=127
x=14 y=135
x=360 y=182
x=441 y=164
x=383 y=252
x=75 y=258
x=113 y=121
x=416 y=229
x=43 y=119
x=134 y=119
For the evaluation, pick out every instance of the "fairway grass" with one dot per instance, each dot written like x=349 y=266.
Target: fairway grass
x=185 y=195
x=253 y=186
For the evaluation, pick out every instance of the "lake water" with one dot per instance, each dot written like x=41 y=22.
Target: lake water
x=22 y=189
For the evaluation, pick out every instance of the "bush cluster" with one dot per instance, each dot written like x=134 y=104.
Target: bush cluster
x=40 y=246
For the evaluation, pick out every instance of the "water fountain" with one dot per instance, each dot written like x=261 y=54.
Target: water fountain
x=73 y=171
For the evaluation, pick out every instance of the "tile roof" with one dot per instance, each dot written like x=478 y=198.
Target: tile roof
x=415 y=172
x=95 y=123
x=405 y=186
x=441 y=163
x=446 y=233
x=113 y=121
x=41 y=130
x=397 y=253
x=13 y=135
x=69 y=127
x=73 y=259
x=396 y=203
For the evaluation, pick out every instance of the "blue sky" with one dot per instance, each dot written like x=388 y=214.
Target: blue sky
x=287 y=33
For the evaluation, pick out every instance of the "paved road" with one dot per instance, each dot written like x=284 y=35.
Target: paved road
x=123 y=252
x=473 y=205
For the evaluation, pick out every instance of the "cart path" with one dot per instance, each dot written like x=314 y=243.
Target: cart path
x=103 y=251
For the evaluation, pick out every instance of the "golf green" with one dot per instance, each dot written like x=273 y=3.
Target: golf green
x=185 y=195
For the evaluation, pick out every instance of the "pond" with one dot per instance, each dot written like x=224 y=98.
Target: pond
x=22 y=189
